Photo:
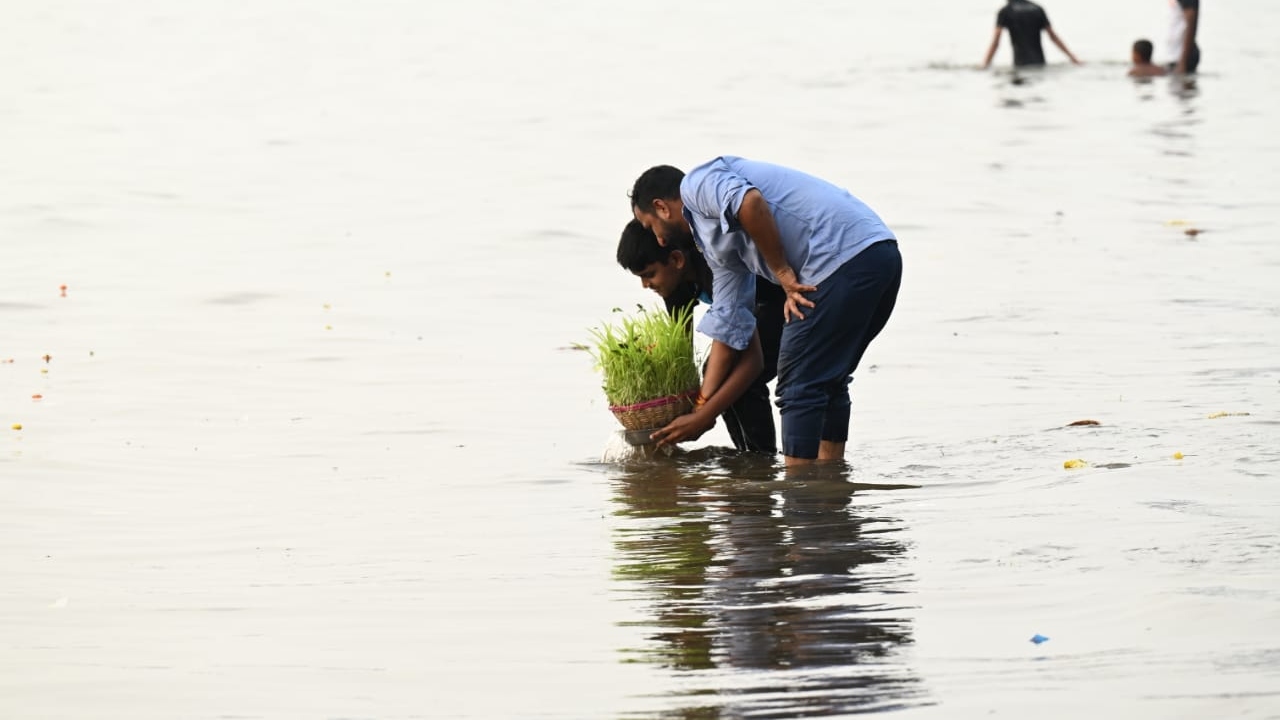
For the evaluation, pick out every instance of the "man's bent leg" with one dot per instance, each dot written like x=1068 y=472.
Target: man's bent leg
x=820 y=353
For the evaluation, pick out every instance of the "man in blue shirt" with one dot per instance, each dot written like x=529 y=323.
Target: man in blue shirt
x=1025 y=21
x=836 y=260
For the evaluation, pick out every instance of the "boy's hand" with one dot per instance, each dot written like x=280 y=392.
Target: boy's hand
x=682 y=429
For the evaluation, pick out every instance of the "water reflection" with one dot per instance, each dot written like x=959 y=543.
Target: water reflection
x=743 y=569
x=1178 y=131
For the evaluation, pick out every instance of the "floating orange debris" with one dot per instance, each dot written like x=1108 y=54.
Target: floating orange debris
x=1083 y=422
x=37 y=396
x=47 y=357
x=64 y=290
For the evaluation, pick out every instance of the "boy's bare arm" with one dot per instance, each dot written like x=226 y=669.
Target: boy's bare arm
x=746 y=366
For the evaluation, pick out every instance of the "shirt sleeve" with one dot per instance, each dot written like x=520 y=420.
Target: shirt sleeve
x=717 y=192
x=730 y=318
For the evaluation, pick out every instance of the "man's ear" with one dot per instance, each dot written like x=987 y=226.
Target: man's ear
x=677 y=259
x=662 y=209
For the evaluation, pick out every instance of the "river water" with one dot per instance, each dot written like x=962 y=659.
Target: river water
x=298 y=287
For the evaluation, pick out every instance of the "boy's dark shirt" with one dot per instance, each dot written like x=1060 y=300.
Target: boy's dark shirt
x=750 y=419
x=1025 y=21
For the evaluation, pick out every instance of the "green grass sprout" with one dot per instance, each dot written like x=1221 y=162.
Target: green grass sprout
x=645 y=356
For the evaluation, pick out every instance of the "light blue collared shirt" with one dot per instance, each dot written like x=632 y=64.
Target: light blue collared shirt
x=822 y=227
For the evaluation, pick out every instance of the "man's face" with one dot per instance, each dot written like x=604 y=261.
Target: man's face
x=665 y=221
x=663 y=277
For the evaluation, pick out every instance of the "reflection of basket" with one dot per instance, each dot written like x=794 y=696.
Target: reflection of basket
x=653 y=414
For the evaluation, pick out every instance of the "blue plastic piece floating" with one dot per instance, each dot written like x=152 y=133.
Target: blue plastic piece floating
x=1038 y=638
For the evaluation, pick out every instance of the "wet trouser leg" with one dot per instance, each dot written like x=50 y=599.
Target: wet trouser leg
x=820 y=353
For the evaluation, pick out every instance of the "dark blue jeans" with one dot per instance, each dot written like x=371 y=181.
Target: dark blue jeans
x=820 y=352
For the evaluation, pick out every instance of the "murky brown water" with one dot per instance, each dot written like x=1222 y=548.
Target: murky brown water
x=310 y=441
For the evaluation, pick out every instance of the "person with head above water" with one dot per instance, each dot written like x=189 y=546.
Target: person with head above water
x=834 y=258
x=680 y=276
x=1142 y=66
x=1025 y=21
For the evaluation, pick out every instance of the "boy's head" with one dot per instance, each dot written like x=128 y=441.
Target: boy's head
x=1142 y=50
x=660 y=268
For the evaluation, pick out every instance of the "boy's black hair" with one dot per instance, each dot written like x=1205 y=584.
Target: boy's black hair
x=1143 y=48
x=639 y=248
x=661 y=182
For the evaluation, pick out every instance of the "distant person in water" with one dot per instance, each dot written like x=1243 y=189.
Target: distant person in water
x=1142 y=65
x=1025 y=21
x=1183 y=54
x=679 y=274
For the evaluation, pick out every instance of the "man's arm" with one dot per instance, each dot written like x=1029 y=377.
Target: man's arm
x=738 y=369
x=757 y=221
x=991 y=51
x=1061 y=45
x=1188 y=38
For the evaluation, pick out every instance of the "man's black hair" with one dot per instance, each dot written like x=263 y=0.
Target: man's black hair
x=661 y=182
x=1144 y=50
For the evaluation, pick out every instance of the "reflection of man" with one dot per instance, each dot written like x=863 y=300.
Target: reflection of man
x=755 y=573
x=1182 y=54
x=1025 y=21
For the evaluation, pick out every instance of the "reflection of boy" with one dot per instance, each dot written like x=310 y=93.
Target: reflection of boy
x=1025 y=21
x=1142 y=65
x=680 y=275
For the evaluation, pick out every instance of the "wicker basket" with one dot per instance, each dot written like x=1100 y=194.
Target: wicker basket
x=654 y=414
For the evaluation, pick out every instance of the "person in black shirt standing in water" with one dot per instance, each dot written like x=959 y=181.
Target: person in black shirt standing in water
x=1025 y=21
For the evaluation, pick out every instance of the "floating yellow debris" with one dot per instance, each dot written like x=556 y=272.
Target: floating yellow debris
x=1072 y=464
x=17 y=426
x=1177 y=456
x=328 y=327
x=1176 y=222
x=1224 y=413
